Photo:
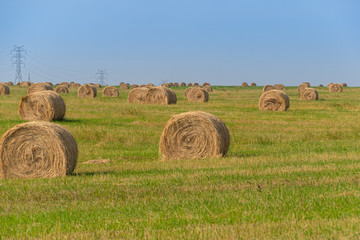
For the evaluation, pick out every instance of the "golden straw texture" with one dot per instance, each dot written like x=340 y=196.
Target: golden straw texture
x=194 y=135
x=37 y=87
x=279 y=86
x=303 y=86
x=309 y=94
x=160 y=95
x=274 y=100
x=4 y=89
x=37 y=150
x=110 y=91
x=335 y=87
x=137 y=95
x=267 y=88
x=44 y=105
x=197 y=95
x=87 y=90
x=61 y=89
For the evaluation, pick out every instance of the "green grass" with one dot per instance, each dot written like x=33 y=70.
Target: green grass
x=287 y=175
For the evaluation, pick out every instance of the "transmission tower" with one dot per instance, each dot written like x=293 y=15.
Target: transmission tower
x=18 y=59
x=101 y=75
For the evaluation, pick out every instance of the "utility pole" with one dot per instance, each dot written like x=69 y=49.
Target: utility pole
x=101 y=75
x=18 y=59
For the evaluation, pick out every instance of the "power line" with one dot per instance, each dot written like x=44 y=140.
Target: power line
x=101 y=75
x=17 y=59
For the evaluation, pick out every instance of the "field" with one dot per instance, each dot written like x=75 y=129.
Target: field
x=287 y=175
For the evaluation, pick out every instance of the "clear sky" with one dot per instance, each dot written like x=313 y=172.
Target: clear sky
x=224 y=42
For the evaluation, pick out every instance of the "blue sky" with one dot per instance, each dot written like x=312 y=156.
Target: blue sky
x=222 y=42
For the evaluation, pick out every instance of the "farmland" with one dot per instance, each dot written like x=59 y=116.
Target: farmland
x=292 y=174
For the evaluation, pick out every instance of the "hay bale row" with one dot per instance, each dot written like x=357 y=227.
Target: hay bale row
x=37 y=150
x=194 y=135
x=274 y=100
x=152 y=95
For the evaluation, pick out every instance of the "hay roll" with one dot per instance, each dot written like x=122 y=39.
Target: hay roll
x=134 y=86
x=190 y=84
x=37 y=87
x=62 y=89
x=309 y=94
x=343 y=85
x=208 y=88
x=335 y=87
x=124 y=86
x=183 y=84
x=4 y=89
x=187 y=91
x=44 y=105
x=244 y=84
x=274 y=100
x=137 y=95
x=206 y=84
x=160 y=95
x=253 y=84
x=197 y=95
x=110 y=91
x=268 y=88
x=194 y=135
x=302 y=86
x=24 y=84
x=87 y=90
x=66 y=84
x=37 y=150
x=279 y=86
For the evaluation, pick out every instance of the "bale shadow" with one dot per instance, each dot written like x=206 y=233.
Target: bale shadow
x=94 y=173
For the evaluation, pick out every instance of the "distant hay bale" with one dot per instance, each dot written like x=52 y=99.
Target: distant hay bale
x=187 y=91
x=134 y=86
x=196 y=85
x=171 y=84
x=206 y=84
x=137 y=95
x=97 y=85
x=208 y=88
x=44 y=105
x=49 y=83
x=25 y=84
x=165 y=85
x=190 y=84
x=244 y=84
x=76 y=85
x=279 y=87
x=160 y=95
x=197 y=95
x=320 y=85
x=150 y=85
x=309 y=94
x=274 y=100
x=268 y=88
x=124 y=86
x=343 y=85
x=37 y=150
x=37 y=87
x=110 y=91
x=142 y=85
x=87 y=90
x=61 y=89
x=302 y=86
x=9 y=83
x=4 y=89
x=253 y=84
x=65 y=84
x=194 y=135
x=335 y=87
x=176 y=84
x=183 y=84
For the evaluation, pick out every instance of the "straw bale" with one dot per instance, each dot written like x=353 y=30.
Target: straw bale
x=309 y=94
x=4 y=89
x=197 y=95
x=87 y=90
x=62 y=89
x=335 y=87
x=137 y=95
x=110 y=91
x=160 y=95
x=37 y=87
x=267 y=88
x=274 y=100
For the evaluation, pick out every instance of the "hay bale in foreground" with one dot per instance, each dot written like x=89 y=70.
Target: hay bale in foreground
x=309 y=94
x=44 y=105
x=194 y=135
x=160 y=95
x=137 y=95
x=4 y=89
x=197 y=95
x=110 y=91
x=61 y=89
x=187 y=90
x=37 y=87
x=268 y=88
x=335 y=87
x=279 y=86
x=87 y=90
x=274 y=100
x=208 y=88
x=37 y=150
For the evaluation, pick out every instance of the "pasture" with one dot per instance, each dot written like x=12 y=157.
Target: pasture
x=287 y=175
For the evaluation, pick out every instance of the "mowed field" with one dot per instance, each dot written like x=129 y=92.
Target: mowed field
x=287 y=175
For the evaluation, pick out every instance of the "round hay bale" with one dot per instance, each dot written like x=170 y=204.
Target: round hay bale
x=197 y=95
x=44 y=105
x=62 y=89
x=244 y=84
x=165 y=85
x=196 y=85
x=279 y=86
x=110 y=91
x=37 y=150
x=137 y=95
x=49 y=83
x=335 y=87
x=253 y=84
x=77 y=85
x=65 y=84
x=302 y=86
x=187 y=91
x=206 y=84
x=38 y=87
x=343 y=85
x=24 y=84
x=10 y=83
x=142 y=85
x=87 y=90
x=160 y=95
x=183 y=84
x=4 y=89
x=309 y=94
x=97 y=85
x=176 y=84
x=18 y=84
x=134 y=86
x=208 y=88
x=320 y=85
x=328 y=86
x=268 y=88
x=150 y=85
x=194 y=135
x=274 y=100
x=124 y=86
x=189 y=84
